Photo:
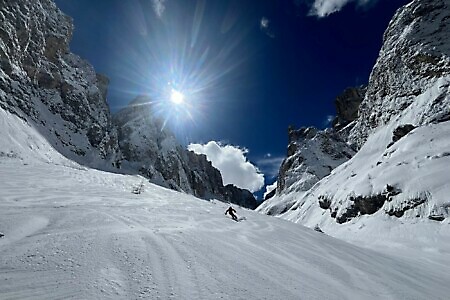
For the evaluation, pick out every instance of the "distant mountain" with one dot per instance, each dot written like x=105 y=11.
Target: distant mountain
x=400 y=133
x=64 y=99
x=312 y=155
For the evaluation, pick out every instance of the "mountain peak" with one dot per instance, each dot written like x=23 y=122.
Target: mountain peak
x=399 y=130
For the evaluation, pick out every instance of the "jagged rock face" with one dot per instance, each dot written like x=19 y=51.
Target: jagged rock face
x=347 y=105
x=400 y=169
x=409 y=89
x=148 y=146
x=312 y=155
x=153 y=150
x=239 y=196
x=42 y=82
x=414 y=56
x=62 y=96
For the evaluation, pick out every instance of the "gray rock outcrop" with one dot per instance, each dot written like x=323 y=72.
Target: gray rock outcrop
x=42 y=82
x=153 y=150
x=239 y=196
x=415 y=54
x=312 y=154
x=347 y=106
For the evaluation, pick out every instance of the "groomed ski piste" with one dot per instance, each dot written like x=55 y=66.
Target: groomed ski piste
x=71 y=232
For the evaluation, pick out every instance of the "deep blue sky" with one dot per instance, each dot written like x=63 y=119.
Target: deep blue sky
x=245 y=84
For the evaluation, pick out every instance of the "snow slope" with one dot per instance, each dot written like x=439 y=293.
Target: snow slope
x=414 y=168
x=77 y=233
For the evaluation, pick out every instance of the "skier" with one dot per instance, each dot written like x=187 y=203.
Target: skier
x=231 y=211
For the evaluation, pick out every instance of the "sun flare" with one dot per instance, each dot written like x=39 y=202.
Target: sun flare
x=176 y=97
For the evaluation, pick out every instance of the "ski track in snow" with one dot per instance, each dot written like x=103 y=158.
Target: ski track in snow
x=76 y=233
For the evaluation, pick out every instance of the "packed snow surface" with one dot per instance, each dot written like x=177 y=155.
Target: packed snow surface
x=78 y=233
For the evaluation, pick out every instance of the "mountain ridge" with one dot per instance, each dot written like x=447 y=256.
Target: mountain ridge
x=61 y=95
x=398 y=170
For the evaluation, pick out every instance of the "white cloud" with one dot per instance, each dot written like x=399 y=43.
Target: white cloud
x=232 y=164
x=270 y=188
x=323 y=8
x=159 y=7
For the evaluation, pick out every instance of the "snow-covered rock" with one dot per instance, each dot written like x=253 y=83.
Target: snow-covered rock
x=312 y=154
x=53 y=89
x=401 y=133
x=408 y=179
x=415 y=57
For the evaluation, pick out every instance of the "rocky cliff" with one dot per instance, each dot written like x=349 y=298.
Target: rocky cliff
x=312 y=154
x=150 y=148
x=43 y=82
x=62 y=96
x=347 y=106
x=414 y=61
x=401 y=133
x=153 y=150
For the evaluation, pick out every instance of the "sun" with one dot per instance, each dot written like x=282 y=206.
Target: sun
x=176 y=97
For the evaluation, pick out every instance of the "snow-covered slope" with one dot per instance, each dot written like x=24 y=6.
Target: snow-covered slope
x=74 y=232
x=24 y=144
x=408 y=179
x=400 y=170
